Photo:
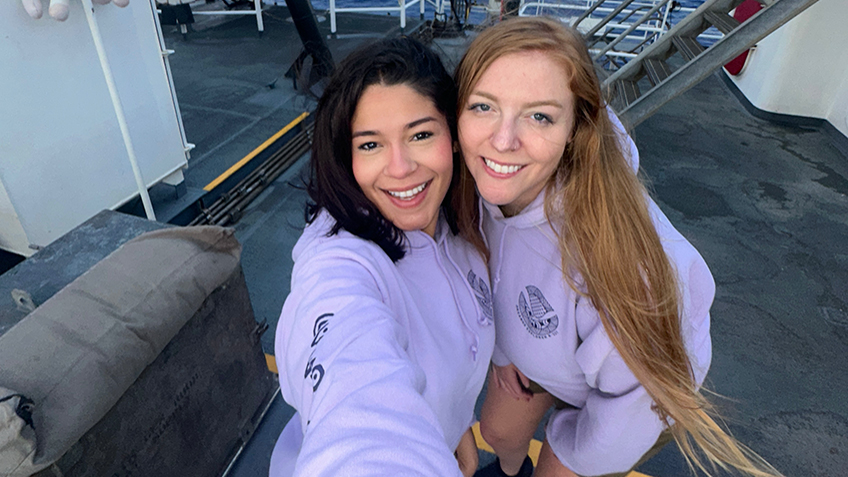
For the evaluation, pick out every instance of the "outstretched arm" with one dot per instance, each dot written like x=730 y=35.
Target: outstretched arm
x=346 y=370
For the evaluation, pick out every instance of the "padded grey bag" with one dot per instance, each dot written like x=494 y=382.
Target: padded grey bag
x=78 y=352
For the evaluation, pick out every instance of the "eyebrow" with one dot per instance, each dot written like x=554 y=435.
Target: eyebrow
x=411 y=125
x=534 y=104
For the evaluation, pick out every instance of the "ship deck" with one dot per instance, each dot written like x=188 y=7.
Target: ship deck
x=764 y=203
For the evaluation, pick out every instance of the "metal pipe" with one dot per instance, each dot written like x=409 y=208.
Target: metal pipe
x=313 y=43
x=261 y=184
x=224 y=203
x=608 y=18
x=624 y=34
x=229 y=204
x=119 y=109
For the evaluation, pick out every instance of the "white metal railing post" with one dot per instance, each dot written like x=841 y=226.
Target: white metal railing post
x=119 y=109
x=400 y=9
x=668 y=6
x=260 y=24
x=257 y=11
x=402 y=14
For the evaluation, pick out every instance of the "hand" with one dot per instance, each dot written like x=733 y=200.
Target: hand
x=513 y=381
x=59 y=9
x=466 y=454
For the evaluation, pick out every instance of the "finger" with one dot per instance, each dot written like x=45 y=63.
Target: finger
x=121 y=3
x=496 y=375
x=33 y=8
x=514 y=387
x=525 y=381
x=59 y=9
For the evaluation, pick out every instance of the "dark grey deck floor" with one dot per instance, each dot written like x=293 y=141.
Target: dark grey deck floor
x=765 y=204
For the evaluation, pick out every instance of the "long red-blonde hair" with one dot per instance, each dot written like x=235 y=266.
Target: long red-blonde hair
x=599 y=209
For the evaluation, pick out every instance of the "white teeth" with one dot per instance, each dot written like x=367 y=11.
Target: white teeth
x=408 y=194
x=501 y=169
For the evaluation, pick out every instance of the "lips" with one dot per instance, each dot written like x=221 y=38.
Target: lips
x=408 y=198
x=407 y=194
x=501 y=169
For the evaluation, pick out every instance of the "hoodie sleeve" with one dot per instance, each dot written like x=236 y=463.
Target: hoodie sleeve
x=345 y=368
x=616 y=426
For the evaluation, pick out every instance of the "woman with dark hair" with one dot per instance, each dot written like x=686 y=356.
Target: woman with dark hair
x=385 y=339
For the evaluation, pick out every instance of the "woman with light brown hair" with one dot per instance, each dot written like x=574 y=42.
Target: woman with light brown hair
x=601 y=306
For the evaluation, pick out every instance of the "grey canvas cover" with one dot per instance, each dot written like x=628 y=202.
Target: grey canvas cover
x=77 y=353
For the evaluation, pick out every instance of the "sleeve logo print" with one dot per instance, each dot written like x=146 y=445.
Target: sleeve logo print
x=481 y=291
x=538 y=316
x=315 y=372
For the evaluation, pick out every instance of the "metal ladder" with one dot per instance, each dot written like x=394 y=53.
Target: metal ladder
x=634 y=106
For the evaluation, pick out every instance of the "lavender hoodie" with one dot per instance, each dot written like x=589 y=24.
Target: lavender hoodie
x=383 y=361
x=556 y=338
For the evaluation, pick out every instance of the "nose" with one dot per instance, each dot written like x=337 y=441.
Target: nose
x=400 y=164
x=505 y=137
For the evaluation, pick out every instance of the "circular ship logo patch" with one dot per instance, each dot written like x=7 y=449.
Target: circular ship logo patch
x=484 y=297
x=536 y=313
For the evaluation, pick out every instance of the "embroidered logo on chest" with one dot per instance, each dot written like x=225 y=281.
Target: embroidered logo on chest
x=484 y=296
x=536 y=313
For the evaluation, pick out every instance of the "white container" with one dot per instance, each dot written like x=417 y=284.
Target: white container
x=62 y=156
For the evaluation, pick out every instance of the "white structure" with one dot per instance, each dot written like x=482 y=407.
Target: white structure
x=801 y=69
x=62 y=154
x=257 y=12
x=400 y=10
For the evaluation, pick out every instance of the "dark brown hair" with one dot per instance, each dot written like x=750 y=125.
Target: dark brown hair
x=331 y=185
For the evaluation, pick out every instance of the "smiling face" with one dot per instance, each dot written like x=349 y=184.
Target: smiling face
x=402 y=155
x=514 y=127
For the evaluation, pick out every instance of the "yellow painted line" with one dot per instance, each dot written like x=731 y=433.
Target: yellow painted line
x=478 y=438
x=238 y=165
x=535 y=448
x=535 y=445
x=272 y=363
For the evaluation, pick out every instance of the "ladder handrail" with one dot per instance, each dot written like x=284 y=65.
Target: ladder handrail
x=624 y=4
x=633 y=27
x=753 y=30
x=588 y=12
x=691 y=24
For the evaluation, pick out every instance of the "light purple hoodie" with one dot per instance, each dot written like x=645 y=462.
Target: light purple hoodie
x=556 y=338
x=383 y=361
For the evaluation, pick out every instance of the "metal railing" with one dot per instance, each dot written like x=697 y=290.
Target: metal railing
x=623 y=27
x=403 y=5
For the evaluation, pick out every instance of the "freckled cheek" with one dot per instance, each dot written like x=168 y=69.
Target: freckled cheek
x=471 y=132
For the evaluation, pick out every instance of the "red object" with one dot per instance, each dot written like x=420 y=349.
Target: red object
x=744 y=11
